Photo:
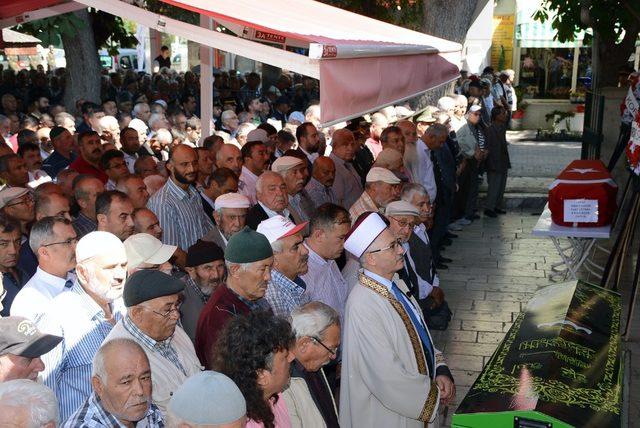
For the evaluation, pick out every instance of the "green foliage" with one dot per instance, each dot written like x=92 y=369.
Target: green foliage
x=404 y=13
x=49 y=29
x=171 y=11
x=558 y=116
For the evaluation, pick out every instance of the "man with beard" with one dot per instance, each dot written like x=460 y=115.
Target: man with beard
x=308 y=141
x=286 y=289
x=178 y=204
x=121 y=381
x=248 y=258
x=230 y=216
x=84 y=316
x=88 y=162
x=205 y=266
x=114 y=213
x=153 y=301
x=53 y=240
x=294 y=171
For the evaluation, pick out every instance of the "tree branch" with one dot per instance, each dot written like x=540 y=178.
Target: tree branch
x=632 y=11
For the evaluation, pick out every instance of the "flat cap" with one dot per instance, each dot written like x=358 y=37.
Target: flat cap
x=426 y=116
x=146 y=285
x=401 y=208
x=19 y=336
x=257 y=135
x=8 y=194
x=208 y=398
x=285 y=163
x=247 y=246
x=232 y=200
x=382 y=174
x=203 y=252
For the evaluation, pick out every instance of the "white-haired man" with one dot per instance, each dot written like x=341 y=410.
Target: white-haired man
x=273 y=199
x=294 y=171
x=121 y=382
x=84 y=316
x=24 y=403
x=230 y=215
x=382 y=187
x=317 y=330
x=403 y=386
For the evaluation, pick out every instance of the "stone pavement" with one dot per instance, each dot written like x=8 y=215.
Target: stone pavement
x=497 y=267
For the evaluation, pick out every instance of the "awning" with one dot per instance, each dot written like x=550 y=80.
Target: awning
x=363 y=64
x=531 y=33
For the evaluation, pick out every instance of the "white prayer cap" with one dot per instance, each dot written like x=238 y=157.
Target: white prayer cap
x=382 y=174
x=208 y=398
x=401 y=208
x=232 y=200
x=474 y=108
x=285 y=163
x=257 y=135
x=145 y=248
x=296 y=116
x=278 y=227
x=97 y=243
x=363 y=232
x=139 y=126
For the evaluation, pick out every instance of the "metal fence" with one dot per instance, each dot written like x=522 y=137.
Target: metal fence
x=593 y=117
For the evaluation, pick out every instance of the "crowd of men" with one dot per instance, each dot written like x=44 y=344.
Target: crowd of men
x=273 y=274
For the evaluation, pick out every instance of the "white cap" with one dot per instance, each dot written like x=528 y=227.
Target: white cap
x=285 y=163
x=232 y=200
x=139 y=125
x=474 y=108
x=96 y=243
x=145 y=248
x=401 y=208
x=257 y=135
x=278 y=227
x=297 y=116
x=363 y=233
x=382 y=174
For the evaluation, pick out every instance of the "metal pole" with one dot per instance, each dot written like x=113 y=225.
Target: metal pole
x=206 y=81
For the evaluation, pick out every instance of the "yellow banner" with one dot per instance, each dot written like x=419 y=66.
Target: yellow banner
x=502 y=41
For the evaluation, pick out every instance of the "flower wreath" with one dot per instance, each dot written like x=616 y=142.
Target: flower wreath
x=633 y=147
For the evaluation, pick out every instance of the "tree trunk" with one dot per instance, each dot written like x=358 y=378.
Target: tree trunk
x=83 y=65
x=445 y=21
x=607 y=57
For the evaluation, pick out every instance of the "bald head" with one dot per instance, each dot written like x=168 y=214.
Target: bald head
x=324 y=170
x=229 y=156
x=343 y=144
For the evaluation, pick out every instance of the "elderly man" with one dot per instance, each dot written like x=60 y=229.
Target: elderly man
x=347 y=185
x=145 y=166
x=497 y=162
x=12 y=278
x=133 y=186
x=62 y=155
x=249 y=259
x=471 y=138
x=52 y=205
x=13 y=171
x=382 y=187
x=286 y=290
x=21 y=346
x=230 y=216
x=317 y=330
x=404 y=385
x=86 y=189
x=320 y=186
x=294 y=172
x=178 y=204
x=393 y=138
x=146 y=252
x=255 y=158
x=53 y=240
x=24 y=403
x=221 y=181
x=378 y=123
x=229 y=156
x=153 y=302
x=145 y=221
x=113 y=164
x=207 y=399
x=17 y=204
x=83 y=316
x=122 y=385
x=114 y=214
x=325 y=243
x=205 y=266
x=88 y=162
x=273 y=199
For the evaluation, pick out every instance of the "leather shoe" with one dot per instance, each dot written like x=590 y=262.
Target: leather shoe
x=450 y=235
x=445 y=260
x=499 y=211
x=441 y=266
x=489 y=213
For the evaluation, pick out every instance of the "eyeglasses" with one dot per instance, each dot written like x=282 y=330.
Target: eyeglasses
x=69 y=241
x=319 y=342
x=402 y=223
x=27 y=199
x=166 y=314
x=393 y=246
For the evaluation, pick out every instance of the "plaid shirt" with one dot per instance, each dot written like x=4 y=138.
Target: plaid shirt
x=92 y=415
x=164 y=348
x=362 y=205
x=285 y=295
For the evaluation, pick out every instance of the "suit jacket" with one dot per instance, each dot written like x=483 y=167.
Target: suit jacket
x=257 y=214
x=498 y=156
x=422 y=257
x=215 y=235
x=208 y=209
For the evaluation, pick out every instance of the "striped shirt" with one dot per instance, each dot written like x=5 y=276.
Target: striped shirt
x=180 y=214
x=81 y=322
x=163 y=348
x=84 y=225
x=319 y=193
x=284 y=295
x=325 y=283
x=92 y=415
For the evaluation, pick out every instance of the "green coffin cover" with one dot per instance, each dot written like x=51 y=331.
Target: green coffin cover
x=559 y=363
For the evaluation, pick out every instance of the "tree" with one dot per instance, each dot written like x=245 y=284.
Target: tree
x=615 y=25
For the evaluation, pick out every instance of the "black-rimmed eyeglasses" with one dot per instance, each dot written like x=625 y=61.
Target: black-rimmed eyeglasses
x=393 y=246
x=69 y=241
x=319 y=342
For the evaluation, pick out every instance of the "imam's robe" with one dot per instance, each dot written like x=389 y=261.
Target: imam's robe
x=384 y=379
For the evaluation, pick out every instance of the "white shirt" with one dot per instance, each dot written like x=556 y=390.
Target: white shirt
x=33 y=299
x=271 y=213
x=311 y=156
x=110 y=185
x=130 y=160
x=38 y=177
x=425 y=174
x=248 y=184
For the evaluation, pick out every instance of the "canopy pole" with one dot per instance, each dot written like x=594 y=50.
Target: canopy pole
x=206 y=82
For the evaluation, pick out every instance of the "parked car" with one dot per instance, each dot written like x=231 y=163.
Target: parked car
x=126 y=59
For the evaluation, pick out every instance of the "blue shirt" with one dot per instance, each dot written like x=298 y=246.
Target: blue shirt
x=81 y=322
x=285 y=295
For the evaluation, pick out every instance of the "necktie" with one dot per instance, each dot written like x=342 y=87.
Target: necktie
x=420 y=327
x=411 y=276
x=68 y=284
